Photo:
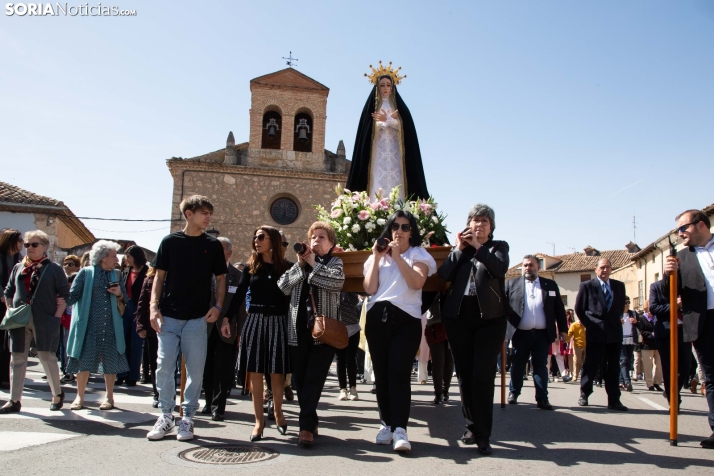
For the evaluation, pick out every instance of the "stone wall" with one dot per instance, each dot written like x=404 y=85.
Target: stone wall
x=242 y=196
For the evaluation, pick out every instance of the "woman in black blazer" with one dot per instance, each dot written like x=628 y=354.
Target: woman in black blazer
x=474 y=315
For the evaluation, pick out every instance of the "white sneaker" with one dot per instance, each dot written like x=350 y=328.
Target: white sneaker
x=343 y=395
x=384 y=437
x=401 y=442
x=185 y=432
x=353 y=394
x=163 y=425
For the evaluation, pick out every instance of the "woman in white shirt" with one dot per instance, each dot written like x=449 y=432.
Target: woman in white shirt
x=393 y=277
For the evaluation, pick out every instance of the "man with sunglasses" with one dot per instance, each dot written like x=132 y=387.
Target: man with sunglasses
x=696 y=288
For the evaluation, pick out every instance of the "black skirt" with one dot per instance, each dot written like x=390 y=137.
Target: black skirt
x=264 y=344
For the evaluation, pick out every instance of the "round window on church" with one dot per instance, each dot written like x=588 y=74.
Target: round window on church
x=284 y=211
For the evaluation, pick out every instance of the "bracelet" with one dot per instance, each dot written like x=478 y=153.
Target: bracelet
x=218 y=307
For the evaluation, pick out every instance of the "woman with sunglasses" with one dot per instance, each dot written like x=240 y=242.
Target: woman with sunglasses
x=10 y=246
x=474 y=316
x=37 y=281
x=264 y=338
x=393 y=277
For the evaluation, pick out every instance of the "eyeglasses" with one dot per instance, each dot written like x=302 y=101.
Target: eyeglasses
x=683 y=228
x=259 y=237
x=405 y=227
x=285 y=244
x=480 y=221
x=34 y=244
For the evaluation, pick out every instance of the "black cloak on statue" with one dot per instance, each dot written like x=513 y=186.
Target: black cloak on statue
x=358 y=179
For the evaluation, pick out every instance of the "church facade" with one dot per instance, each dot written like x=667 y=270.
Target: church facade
x=278 y=176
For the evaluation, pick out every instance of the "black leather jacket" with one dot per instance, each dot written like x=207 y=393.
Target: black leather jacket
x=491 y=263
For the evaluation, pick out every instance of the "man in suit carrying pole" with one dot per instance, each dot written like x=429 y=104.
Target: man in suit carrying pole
x=599 y=306
x=537 y=309
x=695 y=286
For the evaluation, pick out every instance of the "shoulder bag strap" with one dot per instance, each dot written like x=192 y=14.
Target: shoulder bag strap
x=32 y=299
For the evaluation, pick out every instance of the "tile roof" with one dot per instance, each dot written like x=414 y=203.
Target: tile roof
x=289 y=78
x=575 y=262
x=12 y=194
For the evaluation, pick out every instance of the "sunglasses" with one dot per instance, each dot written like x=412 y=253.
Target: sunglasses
x=285 y=244
x=404 y=226
x=683 y=228
x=34 y=244
x=69 y=264
x=259 y=237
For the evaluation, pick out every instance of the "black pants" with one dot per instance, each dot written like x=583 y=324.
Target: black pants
x=145 y=365
x=347 y=363
x=598 y=352
x=151 y=344
x=310 y=364
x=393 y=337
x=704 y=347
x=218 y=374
x=684 y=360
x=475 y=344
x=442 y=366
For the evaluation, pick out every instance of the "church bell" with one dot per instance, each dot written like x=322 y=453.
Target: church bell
x=303 y=135
x=271 y=131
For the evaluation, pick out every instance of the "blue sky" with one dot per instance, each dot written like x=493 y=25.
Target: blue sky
x=544 y=110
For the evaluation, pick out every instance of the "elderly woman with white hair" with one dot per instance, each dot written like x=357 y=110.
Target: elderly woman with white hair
x=96 y=335
x=36 y=281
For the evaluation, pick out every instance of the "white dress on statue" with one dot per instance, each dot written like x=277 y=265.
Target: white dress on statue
x=386 y=168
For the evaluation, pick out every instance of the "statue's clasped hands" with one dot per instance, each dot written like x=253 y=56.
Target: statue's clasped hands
x=381 y=116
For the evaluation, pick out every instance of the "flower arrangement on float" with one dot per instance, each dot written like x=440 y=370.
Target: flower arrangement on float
x=358 y=220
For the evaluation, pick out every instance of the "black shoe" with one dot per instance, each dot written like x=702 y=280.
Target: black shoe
x=525 y=377
x=144 y=380
x=708 y=443
x=617 y=407
x=598 y=383
x=58 y=406
x=583 y=401
x=468 y=438
x=374 y=389
x=658 y=388
x=651 y=389
x=283 y=429
x=155 y=404
x=446 y=396
x=438 y=399
x=119 y=381
x=12 y=408
x=484 y=447
x=271 y=411
x=289 y=394
x=544 y=404
x=257 y=436
x=131 y=383
x=628 y=386
x=567 y=379
x=512 y=399
x=217 y=416
x=206 y=410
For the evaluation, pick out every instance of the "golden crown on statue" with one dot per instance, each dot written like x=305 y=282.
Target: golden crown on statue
x=384 y=71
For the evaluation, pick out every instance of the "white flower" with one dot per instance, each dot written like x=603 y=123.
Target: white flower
x=347 y=220
x=355 y=228
x=345 y=227
x=349 y=235
x=381 y=221
x=435 y=219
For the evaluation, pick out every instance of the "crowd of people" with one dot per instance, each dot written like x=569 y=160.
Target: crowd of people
x=257 y=325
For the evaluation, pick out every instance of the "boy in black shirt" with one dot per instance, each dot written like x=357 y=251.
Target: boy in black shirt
x=180 y=308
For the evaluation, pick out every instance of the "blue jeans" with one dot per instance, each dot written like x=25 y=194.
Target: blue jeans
x=533 y=344
x=626 y=361
x=134 y=343
x=189 y=338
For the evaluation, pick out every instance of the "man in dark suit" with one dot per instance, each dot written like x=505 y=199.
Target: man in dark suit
x=696 y=289
x=659 y=306
x=219 y=374
x=537 y=308
x=600 y=305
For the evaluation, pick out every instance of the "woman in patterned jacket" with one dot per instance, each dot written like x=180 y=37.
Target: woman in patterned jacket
x=319 y=274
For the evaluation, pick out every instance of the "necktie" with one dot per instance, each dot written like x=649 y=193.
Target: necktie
x=608 y=295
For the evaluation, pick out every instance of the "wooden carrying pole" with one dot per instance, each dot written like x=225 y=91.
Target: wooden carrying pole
x=673 y=358
x=503 y=375
x=183 y=384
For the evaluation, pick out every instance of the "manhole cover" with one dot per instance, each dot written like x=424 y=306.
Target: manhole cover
x=228 y=454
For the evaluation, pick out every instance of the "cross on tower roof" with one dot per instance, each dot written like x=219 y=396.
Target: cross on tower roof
x=290 y=60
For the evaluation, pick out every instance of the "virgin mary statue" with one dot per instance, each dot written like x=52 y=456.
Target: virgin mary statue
x=386 y=151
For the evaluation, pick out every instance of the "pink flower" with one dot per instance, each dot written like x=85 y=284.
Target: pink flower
x=336 y=213
x=425 y=207
x=374 y=206
x=364 y=215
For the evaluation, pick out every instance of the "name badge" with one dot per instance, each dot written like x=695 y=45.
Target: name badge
x=551 y=293
x=232 y=289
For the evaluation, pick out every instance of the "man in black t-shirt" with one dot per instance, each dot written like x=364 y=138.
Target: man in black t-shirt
x=180 y=308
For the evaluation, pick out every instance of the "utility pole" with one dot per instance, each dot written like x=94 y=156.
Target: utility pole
x=634 y=229
x=548 y=242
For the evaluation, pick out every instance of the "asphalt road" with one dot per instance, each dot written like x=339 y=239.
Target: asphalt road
x=526 y=440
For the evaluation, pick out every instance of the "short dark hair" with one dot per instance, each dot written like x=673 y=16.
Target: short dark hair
x=696 y=216
x=195 y=203
x=627 y=298
x=532 y=258
x=414 y=239
x=137 y=254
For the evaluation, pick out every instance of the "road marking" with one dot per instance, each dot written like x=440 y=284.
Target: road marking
x=98 y=416
x=584 y=446
x=15 y=440
x=653 y=404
